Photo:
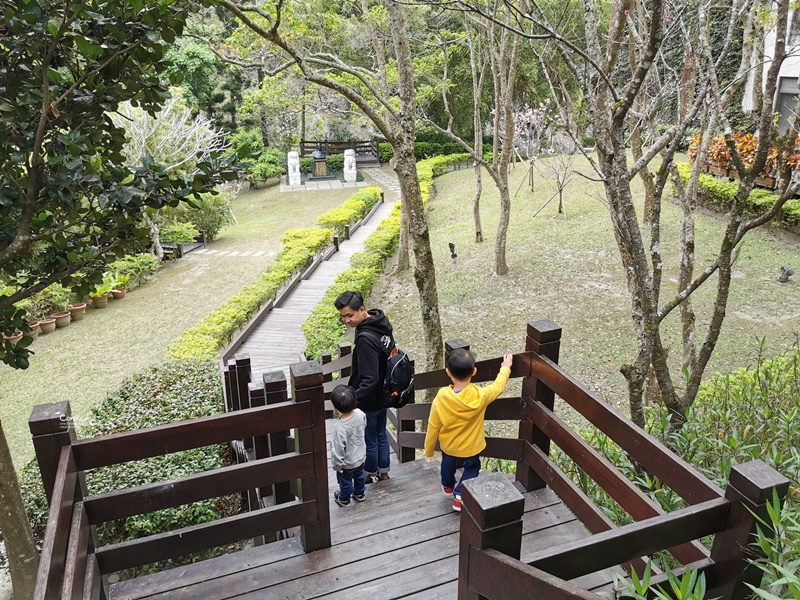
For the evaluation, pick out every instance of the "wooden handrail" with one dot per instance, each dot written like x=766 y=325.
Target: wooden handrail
x=128 y=502
x=687 y=482
x=186 y=435
x=496 y=576
x=610 y=548
x=196 y=538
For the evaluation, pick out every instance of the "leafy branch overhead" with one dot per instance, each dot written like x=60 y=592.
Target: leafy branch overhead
x=68 y=197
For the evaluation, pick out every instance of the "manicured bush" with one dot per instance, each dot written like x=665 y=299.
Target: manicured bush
x=174 y=391
x=335 y=162
x=423 y=150
x=719 y=194
x=351 y=210
x=202 y=341
x=270 y=164
x=139 y=268
x=210 y=213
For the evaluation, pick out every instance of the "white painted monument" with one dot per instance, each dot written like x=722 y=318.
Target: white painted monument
x=350 y=165
x=293 y=160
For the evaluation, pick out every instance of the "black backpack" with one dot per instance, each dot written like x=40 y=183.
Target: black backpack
x=398 y=386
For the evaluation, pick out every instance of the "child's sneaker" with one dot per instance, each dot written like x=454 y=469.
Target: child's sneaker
x=359 y=497
x=447 y=490
x=343 y=502
x=457 y=503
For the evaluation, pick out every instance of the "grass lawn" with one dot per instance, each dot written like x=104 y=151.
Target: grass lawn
x=90 y=358
x=568 y=270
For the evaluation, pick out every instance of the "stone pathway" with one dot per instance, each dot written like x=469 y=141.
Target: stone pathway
x=278 y=340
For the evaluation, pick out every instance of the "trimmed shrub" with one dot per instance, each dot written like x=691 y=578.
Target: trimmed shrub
x=178 y=233
x=210 y=213
x=139 y=268
x=351 y=210
x=202 y=341
x=271 y=164
x=174 y=391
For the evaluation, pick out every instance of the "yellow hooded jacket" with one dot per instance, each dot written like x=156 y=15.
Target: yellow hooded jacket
x=457 y=418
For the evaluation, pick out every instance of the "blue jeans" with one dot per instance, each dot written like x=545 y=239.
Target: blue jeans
x=377 y=442
x=472 y=466
x=351 y=481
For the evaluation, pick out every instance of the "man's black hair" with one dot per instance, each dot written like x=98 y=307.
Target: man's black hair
x=461 y=363
x=352 y=299
x=343 y=398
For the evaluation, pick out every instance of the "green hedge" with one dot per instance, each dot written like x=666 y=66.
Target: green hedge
x=323 y=328
x=425 y=150
x=202 y=341
x=351 y=210
x=175 y=391
x=719 y=193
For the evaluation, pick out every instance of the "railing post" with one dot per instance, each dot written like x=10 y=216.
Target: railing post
x=491 y=517
x=544 y=338
x=227 y=385
x=307 y=387
x=275 y=392
x=406 y=454
x=51 y=428
x=450 y=345
x=347 y=231
x=345 y=348
x=749 y=490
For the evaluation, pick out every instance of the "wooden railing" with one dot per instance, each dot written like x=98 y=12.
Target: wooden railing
x=361 y=147
x=72 y=562
x=490 y=563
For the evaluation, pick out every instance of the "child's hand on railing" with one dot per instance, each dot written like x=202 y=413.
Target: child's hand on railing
x=507 y=360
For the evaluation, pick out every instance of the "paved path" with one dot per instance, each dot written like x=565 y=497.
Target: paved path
x=278 y=340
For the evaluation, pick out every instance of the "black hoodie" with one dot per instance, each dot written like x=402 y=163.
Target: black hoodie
x=369 y=358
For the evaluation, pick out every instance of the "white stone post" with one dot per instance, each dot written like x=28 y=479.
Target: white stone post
x=293 y=159
x=350 y=165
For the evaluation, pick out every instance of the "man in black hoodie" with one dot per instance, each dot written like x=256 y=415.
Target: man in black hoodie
x=372 y=344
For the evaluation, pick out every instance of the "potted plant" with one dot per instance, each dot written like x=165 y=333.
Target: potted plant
x=47 y=325
x=100 y=295
x=35 y=328
x=78 y=311
x=62 y=317
x=13 y=338
x=119 y=286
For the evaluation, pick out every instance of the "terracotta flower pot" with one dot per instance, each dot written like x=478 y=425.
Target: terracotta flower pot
x=100 y=301
x=35 y=329
x=119 y=294
x=62 y=318
x=47 y=325
x=13 y=338
x=78 y=311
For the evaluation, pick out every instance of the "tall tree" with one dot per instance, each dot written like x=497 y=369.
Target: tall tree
x=383 y=90
x=67 y=198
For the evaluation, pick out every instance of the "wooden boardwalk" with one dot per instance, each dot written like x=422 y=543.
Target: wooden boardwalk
x=278 y=340
x=402 y=542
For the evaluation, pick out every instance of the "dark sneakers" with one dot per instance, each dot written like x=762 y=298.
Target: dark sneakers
x=383 y=476
x=359 y=497
x=376 y=478
x=343 y=502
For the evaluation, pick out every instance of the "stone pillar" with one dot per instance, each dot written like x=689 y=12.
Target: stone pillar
x=350 y=165
x=293 y=160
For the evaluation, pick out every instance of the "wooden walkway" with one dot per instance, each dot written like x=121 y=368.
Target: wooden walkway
x=278 y=340
x=402 y=542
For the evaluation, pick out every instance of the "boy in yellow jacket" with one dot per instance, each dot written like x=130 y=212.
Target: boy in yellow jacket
x=457 y=420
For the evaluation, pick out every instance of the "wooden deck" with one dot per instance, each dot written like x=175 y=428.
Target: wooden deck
x=402 y=542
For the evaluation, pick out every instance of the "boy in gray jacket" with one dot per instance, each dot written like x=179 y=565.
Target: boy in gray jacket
x=348 y=450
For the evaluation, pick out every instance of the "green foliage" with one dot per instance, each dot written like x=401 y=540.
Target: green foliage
x=351 y=210
x=719 y=193
x=335 y=162
x=178 y=233
x=194 y=64
x=53 y=298
x=423 y=150
x=65 y=180
x=777 y=540
x=202 y=341
x=209 y=213
x=175 y=391
x=323 y=328
x=690 y=586
x=244 y=142
x=138 y=268
x=271 y=164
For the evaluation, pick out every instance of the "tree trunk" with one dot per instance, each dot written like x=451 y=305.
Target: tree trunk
x=23 y=559
x=403 y=260
x=476 y=204
x=500 y=264
x=155 y=237
x=424 y=268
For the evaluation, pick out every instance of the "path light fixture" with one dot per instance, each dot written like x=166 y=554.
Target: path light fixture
x=452 y=250
x=786 y=272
